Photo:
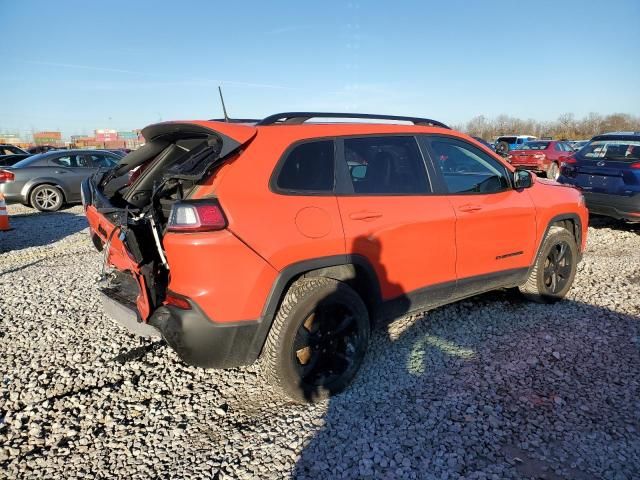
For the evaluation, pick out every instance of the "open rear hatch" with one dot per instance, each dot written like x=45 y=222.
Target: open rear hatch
x=128 y=222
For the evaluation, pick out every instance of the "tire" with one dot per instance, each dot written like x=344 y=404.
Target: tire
x=313 y=307
x=554 y=171
x=46 y=198
x=555 y=268
x=502 y=148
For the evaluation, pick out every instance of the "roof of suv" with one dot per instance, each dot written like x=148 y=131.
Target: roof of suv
x=296 y=124
x=618 y=136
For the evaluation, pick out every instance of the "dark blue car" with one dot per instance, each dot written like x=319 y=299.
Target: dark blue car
x=607 y=170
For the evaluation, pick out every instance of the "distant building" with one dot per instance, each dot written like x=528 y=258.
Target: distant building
x=128 y=135
x=105 y=135
x=12 y=139
x=83 y=141
x=48 y=138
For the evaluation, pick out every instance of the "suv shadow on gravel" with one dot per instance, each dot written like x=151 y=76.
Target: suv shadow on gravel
x=44 y=229
x=489 y=386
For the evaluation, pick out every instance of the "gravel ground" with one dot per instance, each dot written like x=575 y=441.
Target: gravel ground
x=492 y=387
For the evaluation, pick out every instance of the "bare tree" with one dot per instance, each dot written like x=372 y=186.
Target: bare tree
x=566 y=126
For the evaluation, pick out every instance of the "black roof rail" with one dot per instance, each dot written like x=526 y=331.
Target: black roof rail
x=235 y=120
x=297 y=118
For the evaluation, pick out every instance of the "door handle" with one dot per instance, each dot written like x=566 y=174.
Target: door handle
x=60 y=171
x=470 y=208
x=367 y=216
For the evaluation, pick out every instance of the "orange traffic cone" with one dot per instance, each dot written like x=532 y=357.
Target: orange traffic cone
x=4 y=216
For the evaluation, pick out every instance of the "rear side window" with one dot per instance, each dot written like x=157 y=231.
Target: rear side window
x=309 y=167
x=72 y=161
x=386 y=165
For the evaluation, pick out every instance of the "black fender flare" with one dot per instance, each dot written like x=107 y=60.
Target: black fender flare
x=577 y=233
x=338 y=267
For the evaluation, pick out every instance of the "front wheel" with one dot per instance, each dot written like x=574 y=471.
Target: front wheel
x=555 y=268
x=46 y=198
x=317 y=341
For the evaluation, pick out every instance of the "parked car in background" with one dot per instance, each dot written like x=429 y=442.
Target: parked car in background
x=541 y=156
x=10 y=154
x=287 y=239
x=506 y=143
x=48 y=181
x=484 y=142
x=607 y=170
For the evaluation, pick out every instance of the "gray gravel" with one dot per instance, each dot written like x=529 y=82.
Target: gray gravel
x=492 y=387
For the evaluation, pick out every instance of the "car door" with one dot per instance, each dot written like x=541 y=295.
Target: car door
x=70 y=170
x=495 y=224
x=391 y=216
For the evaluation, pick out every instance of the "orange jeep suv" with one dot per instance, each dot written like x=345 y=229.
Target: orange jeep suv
x=284 y=239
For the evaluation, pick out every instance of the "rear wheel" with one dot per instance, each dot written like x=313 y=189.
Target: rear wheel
x=317 y=341
x=46 y=198
x=555 y=268
x=554 y=171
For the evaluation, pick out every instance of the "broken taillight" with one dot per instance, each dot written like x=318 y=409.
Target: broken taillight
x=196 y=216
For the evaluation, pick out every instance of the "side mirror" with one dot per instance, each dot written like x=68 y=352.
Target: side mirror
x=522 y=179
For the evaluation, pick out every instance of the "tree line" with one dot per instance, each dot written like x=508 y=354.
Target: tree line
x=565 y=127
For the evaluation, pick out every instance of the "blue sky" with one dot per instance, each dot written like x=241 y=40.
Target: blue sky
x=79 y=65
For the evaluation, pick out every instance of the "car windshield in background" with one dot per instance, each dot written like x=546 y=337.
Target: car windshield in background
x=11 y=150
x=626 y=150
x=535 y=146
x=509 y=140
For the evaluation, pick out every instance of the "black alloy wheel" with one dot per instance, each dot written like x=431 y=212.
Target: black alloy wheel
x=557 y=268
x=326 y=345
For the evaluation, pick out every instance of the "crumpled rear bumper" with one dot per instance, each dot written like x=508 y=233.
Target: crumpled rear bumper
x=195 y=338
x=126 y=315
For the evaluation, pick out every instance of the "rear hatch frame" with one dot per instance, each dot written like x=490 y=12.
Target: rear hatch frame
x=124 y=230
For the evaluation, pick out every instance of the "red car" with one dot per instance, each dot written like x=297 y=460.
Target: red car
x=541 y=156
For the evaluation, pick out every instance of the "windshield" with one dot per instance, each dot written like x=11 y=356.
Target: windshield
x=535 y=146
x=625 y=150
x=509 y=140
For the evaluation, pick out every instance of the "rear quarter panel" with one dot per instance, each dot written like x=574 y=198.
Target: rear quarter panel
x=271 y=223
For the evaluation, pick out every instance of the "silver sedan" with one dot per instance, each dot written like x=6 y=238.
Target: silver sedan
x=50 y=180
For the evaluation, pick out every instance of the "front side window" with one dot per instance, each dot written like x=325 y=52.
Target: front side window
x=467 y=169
x=386 y=165
x=309 y=167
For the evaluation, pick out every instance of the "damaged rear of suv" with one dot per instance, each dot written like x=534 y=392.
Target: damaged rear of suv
x=131 y=223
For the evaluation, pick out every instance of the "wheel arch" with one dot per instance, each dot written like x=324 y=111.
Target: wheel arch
x=31 y=185
x=570 y=221
x=355 y=270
